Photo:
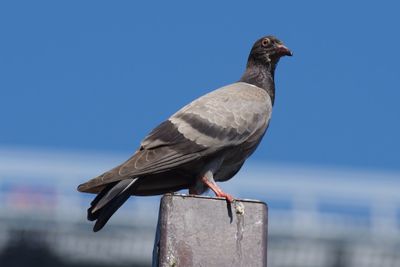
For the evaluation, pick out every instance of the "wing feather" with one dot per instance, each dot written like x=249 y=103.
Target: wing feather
x=225 y=117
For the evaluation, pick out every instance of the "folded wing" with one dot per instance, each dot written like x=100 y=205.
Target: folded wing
x=225 y=117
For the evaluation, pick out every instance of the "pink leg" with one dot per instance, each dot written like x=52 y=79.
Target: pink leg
x=218 y=192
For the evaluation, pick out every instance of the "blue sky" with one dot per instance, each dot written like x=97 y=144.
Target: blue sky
x=98 y=76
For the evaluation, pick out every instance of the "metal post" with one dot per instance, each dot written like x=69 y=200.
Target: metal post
x=205 y=231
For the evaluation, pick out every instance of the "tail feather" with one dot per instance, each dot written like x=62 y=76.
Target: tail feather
x=116 y=190
x=106 y=212
x=91 y=216
x=108 y=201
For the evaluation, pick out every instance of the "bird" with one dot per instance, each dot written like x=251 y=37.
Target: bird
x=205 y=142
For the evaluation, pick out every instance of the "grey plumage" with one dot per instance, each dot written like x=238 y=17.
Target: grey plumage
x=206 y=141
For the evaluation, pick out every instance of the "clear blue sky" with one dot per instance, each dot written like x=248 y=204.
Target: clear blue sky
x=98 y=76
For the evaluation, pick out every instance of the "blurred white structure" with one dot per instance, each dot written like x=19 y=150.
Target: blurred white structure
x=317 y=217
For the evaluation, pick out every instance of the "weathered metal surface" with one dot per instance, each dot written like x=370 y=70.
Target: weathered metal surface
x=204 y=231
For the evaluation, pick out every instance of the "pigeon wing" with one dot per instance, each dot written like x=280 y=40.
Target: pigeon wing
x=225 y=117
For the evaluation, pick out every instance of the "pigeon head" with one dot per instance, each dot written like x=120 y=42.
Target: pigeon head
x=263 y=59
x=268 y=50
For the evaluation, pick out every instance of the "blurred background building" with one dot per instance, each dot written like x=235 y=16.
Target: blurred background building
x=82 y=82
x=318 y=217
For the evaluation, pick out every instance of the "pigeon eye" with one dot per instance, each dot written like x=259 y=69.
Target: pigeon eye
x=265 y=42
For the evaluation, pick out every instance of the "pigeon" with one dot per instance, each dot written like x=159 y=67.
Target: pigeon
x=205 y=142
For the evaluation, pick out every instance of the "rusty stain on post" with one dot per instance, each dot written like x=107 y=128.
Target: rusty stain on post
x=205 y=231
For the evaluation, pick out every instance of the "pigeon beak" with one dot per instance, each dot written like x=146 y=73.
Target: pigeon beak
x=283 y=50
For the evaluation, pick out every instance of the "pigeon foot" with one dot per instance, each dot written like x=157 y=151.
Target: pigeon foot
x=218 y=191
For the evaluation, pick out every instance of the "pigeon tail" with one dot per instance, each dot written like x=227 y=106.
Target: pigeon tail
x=108 y=201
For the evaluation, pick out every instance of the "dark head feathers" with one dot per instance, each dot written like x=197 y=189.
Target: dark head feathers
x=263 y=58
x=268 y=49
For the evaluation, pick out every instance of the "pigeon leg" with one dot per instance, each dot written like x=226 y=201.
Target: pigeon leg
x=218 y=192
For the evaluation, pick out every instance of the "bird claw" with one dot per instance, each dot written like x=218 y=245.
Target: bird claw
x=218 y=192
x=227 y=196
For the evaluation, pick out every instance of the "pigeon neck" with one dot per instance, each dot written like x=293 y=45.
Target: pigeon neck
x=260 y=75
